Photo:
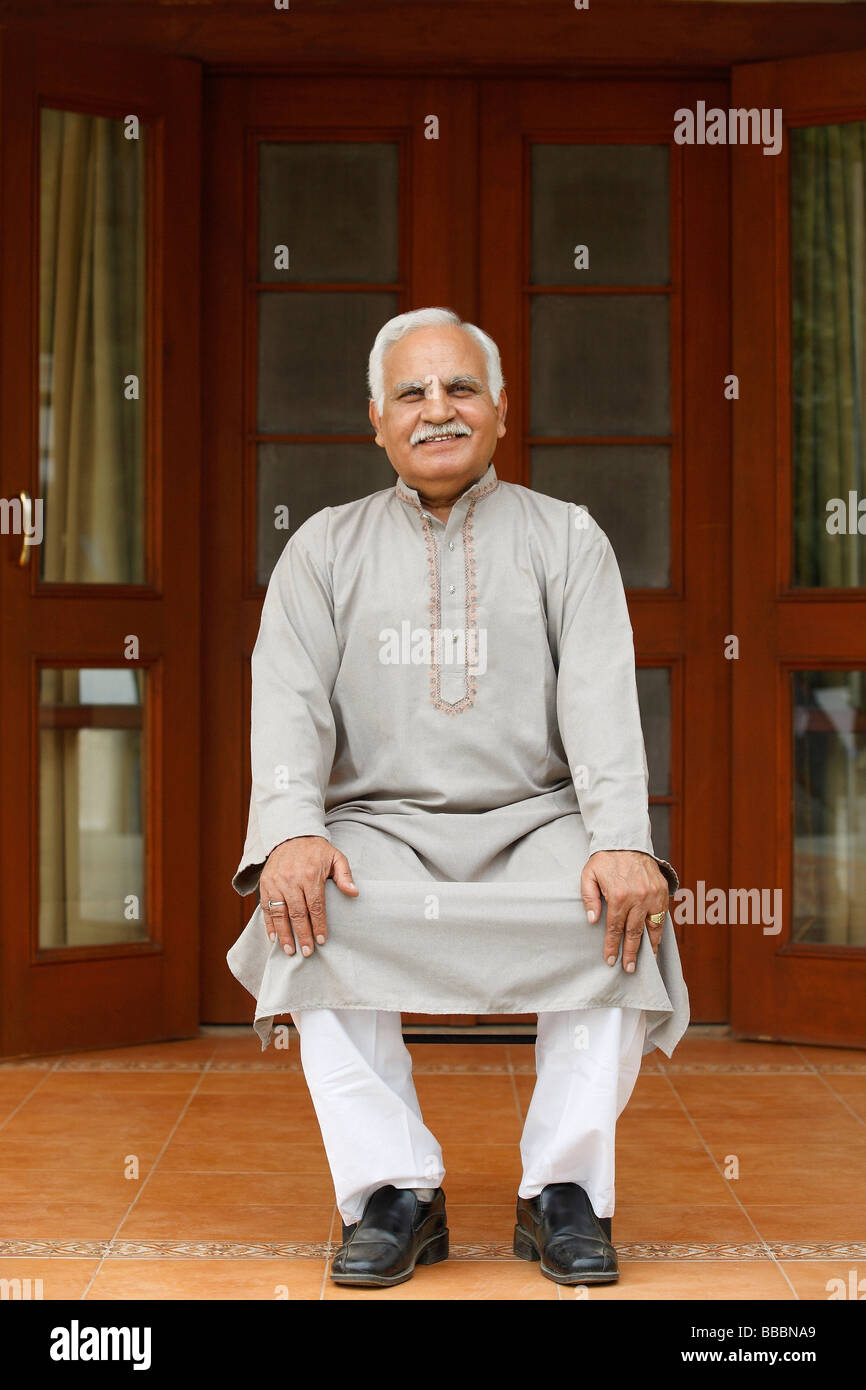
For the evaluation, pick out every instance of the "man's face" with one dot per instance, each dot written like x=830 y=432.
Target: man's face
x=435 y=385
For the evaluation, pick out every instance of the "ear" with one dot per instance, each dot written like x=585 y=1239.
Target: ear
x=376 y=422
x=501 y=411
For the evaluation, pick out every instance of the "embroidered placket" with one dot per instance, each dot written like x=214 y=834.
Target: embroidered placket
x=470 y=627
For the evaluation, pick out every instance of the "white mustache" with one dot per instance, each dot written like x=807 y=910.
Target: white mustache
x=452 y=432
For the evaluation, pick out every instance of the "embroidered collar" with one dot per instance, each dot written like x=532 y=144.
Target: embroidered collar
x=485 y=484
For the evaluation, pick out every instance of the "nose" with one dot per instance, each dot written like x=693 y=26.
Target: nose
x=437 y=407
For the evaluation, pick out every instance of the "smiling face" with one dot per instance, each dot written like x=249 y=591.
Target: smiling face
x=439 y=425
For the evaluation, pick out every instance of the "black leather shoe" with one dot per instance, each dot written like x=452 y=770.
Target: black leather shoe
x=397 y=1231
x=560 y=1228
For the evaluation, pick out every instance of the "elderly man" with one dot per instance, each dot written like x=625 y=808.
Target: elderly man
x=449 y=815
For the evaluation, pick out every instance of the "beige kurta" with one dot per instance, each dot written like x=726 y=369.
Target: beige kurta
x=454 y=706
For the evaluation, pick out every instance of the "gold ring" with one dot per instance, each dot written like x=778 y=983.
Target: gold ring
x=656 y=918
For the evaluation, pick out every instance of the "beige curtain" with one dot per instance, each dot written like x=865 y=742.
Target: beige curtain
x=828 y=290
x=92 y=288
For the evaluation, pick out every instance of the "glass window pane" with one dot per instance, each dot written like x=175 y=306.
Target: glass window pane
x=828 y=363
x=313 y=351
x=91 y=343
x=296 y=480
x=334 y=206
x=91 y=807
x=660 y=825
x=600 y=364
x=829 y=709
x=626 y=489
x=612 y=199
x=654 y=696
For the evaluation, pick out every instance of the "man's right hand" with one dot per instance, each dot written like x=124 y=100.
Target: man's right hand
x=295 y=874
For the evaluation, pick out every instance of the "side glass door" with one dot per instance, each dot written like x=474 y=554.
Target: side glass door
x=800 y=554
x=100 y=580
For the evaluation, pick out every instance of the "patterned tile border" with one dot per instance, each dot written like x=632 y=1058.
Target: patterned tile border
x=476 y=1250
x=527 y=1067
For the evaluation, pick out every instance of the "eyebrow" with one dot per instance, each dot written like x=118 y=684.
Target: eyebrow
x=465 y=380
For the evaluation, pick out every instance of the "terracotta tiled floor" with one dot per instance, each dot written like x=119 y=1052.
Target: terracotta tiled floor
x=195 y=1170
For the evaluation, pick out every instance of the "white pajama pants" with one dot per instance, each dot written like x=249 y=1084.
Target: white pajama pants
x=359 y=1073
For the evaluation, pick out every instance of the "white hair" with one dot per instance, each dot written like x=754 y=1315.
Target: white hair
x=398 y=327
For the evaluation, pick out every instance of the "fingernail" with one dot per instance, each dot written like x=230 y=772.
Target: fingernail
x=630 y=966
x=591 y=914
x=611 y=960
x=271 y=936
x=305 y=950
x=321 y=940
x=289 y=950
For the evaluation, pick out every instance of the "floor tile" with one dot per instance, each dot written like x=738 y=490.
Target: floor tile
x=792 y=1219
x=60 y=1279
x=236 y=1221
x=705 y=1280
x=635 y=1221
x=827 y=1279
x=227 y=1279
x=459 y=1280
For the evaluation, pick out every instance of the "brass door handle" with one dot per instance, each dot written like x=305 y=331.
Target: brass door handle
x=26 y=526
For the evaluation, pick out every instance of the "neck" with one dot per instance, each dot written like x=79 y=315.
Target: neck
x=441 y=506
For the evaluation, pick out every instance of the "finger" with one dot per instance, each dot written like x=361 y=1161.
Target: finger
x=616 y=920
x=300 y=921
x=269 y=925
x=342 y=874
x=590 y=894
x=655 y=935
x=271 y=913
x=634 y=928
x=282 y=924
x=314 y=892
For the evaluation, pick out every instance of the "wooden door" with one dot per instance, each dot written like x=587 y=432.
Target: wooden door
x=604 y=279
x=799 y=611
x=459 y=232
x=99 y=582
x=330 y=206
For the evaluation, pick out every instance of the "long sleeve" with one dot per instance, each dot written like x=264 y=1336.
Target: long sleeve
x=597 y=701
x=293 y=738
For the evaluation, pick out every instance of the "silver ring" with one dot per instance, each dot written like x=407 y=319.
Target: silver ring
x=278 y=903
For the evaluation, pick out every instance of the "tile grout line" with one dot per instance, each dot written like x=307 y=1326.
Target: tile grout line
x=30 y=1094
x=841 y=1099
x=770 y=1253
x=98 y=1270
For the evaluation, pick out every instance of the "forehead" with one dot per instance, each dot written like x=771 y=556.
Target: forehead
x=442 y=350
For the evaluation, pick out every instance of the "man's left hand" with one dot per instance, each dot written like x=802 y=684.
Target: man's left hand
x=633 y=886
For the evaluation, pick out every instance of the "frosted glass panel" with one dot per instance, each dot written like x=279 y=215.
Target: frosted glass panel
x=829 y=709
x=91 y=807
x=313 y=351
x=600 y=365
x=654 y=695
x=660 y=825
x=612 y=199
x=333 y=206
x=296 y=480
x=627 y=490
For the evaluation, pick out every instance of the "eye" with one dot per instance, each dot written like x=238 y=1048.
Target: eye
x=464 y=388
x=409 y=395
